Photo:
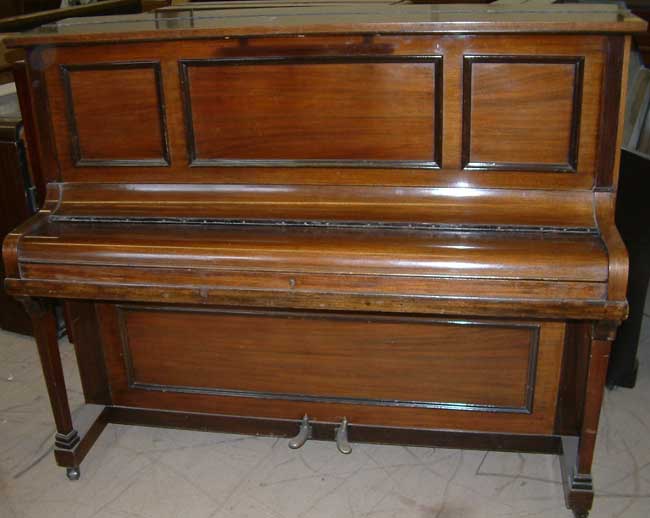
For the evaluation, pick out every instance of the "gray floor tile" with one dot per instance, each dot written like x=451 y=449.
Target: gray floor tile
x=142 y=472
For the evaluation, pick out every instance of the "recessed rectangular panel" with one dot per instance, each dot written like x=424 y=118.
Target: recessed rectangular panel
x=521 y=113
x=116 y=114
x=391 y=361
x=356 y=111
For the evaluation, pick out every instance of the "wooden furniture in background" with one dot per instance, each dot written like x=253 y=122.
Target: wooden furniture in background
x=642 y=9
x=19 y=7
x=389 y=223
x=23 y=15
x=632 y=216
x=22 y=185
x=16 y=202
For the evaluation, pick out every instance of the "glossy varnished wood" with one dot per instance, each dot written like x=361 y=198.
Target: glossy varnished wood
x=233 y=120
x=525 y=255
x=549 y=352
x=408 y=150
x=401 y=215
x=400 y=206
x=104 y=137
x=336 y=358
x=531 y=104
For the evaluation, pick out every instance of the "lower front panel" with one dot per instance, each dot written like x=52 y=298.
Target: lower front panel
x=372 y=369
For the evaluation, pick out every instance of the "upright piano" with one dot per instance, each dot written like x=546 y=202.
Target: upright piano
x=350 y=222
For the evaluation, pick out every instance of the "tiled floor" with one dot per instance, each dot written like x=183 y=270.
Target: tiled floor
x=142 y=472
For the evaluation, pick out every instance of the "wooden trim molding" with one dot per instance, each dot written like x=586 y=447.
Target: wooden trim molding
x=435 y=163
x=325 y=430
x=571 y=165
x=12 y=241
x=28 y=113
x=77 y=158
x=604 y=203
x=613 y=93
x=45 y=144
x=595 y=309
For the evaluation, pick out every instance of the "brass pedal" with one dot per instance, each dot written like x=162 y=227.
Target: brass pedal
x=342 y=443
x=303 y=434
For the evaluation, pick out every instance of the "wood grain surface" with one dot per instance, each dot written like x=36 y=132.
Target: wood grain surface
x=551 y=340
x=372 y=360
x=353 y=110
x=343 y=109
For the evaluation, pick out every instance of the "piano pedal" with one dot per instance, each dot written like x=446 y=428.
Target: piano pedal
x=342 y=443
x=303 y=434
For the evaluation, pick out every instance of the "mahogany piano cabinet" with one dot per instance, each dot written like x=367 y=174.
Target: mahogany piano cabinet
x=364 y=222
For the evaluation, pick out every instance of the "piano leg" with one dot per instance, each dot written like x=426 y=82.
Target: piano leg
x=44 y=321
x=578 y=452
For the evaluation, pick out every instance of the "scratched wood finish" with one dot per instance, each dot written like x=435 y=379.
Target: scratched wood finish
x=513 y=306
x=205 y=280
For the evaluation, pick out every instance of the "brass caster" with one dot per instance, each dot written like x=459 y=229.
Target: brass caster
x=73 y=473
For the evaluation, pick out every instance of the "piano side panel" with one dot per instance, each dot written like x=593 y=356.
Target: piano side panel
x=363 y=102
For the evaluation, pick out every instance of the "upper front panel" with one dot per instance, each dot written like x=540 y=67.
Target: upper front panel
x=331 y=111
x=484 y=111
x=103 y=120
x=521 y=112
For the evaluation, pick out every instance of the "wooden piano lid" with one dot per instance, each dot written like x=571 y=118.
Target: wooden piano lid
x=548 y=274
x=220 y=19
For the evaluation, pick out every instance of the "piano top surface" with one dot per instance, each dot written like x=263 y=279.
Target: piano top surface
x=219 y=19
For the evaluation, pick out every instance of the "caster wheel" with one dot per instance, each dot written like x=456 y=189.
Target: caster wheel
x=73 y=473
